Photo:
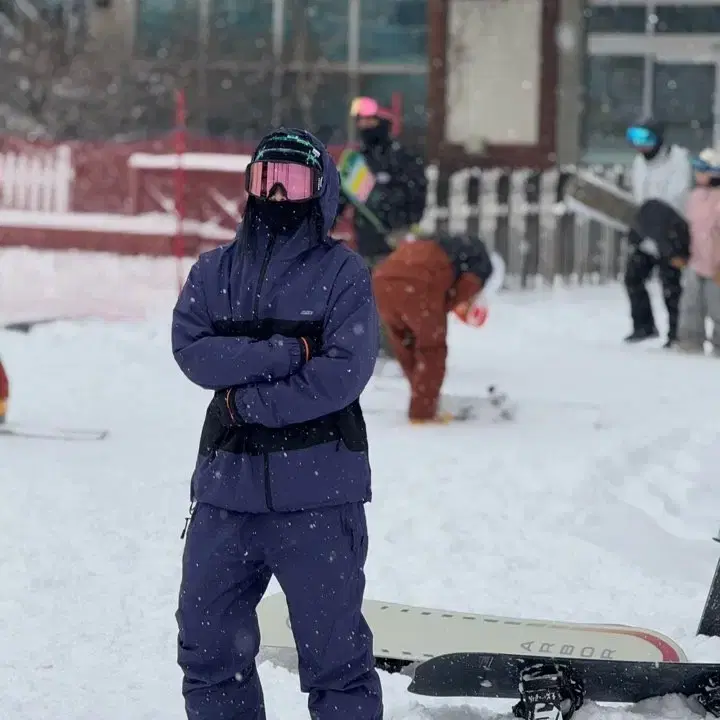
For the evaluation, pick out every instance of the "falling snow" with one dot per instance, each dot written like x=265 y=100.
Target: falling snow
x=597 y=504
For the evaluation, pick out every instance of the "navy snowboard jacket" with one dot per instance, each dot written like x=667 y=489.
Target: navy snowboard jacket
x=302 y=442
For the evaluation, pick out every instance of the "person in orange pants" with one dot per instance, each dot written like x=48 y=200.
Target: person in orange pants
x=415 y=288
x=4 y=393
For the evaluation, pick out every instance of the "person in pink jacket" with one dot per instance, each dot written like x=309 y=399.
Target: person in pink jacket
x=701 y=281
x=4 y=393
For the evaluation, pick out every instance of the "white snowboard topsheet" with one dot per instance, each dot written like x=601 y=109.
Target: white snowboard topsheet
x=405 y=632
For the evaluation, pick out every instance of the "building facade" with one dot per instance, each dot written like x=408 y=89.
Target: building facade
x=477 y=78
x=651 y=57
x=489 y=82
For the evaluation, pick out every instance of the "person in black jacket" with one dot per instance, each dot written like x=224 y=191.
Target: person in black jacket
x=659 y=237
x=398 y=198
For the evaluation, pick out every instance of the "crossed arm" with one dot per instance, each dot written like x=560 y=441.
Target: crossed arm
x=277 y=384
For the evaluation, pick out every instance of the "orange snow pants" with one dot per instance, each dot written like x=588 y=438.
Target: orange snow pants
x=411 y=287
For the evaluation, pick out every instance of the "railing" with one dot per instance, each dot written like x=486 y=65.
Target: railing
x=37 y=179
x=520 y=213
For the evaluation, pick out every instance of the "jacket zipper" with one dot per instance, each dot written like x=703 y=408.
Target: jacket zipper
x=268 y=491
x=255 y=312
x=261 y=278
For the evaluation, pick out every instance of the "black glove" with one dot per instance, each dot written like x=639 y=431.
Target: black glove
x=310 y=346
x=224 y=409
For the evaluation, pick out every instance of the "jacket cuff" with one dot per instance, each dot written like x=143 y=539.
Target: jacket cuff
x=297 y=355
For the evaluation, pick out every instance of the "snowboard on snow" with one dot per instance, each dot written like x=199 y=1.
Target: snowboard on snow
x=554 y=688
x=406 y=634
x=49 y=433
x=494 y=406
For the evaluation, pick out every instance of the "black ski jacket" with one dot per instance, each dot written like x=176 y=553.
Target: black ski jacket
x=661 y=223
x=397 y=200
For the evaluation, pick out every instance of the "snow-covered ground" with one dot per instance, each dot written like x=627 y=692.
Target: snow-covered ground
x=597 y=504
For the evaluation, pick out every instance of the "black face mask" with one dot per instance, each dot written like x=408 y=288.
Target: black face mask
x=282 y=218
x=374 y=136
x=650 y=154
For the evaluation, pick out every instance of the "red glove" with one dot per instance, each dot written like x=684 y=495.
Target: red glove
x=473 y=314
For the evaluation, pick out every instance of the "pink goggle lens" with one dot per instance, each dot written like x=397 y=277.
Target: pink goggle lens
x=297 y=181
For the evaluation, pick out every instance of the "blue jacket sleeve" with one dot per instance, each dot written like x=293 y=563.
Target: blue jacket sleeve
x=215 y=362
x=337 y=376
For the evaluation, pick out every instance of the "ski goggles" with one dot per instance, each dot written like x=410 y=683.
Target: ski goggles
x=700 y=165
x=703 y=166
x=298 y=182
x=640 y=137
x=367 y=107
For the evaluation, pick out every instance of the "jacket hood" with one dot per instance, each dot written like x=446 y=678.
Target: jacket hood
x=330 y=193
x=326 y=205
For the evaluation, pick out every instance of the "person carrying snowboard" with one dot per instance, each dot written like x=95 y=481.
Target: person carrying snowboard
x=282 y=325
x=397 y=200
x=398 y=197
x=701 y=279
x=416 y=287
x=661 y=180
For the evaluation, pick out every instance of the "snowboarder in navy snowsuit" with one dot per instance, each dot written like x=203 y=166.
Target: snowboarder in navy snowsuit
x=282 y=326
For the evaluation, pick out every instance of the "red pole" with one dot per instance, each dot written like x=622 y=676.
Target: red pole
x=180 y=138
x=397 y=111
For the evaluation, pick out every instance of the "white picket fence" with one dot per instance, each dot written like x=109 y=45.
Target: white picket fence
x=519 y=213
x=39 y=180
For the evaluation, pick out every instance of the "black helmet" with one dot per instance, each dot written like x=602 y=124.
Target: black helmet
x=290 y=145
x=646 y=132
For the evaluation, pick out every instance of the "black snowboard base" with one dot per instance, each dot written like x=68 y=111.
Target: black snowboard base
x=536 y=680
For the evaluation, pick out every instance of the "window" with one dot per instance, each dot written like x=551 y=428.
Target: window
x=241 y=30
x=683 y=99
x=239 y=104
x=393 y=31
x=413 y=91
x=689 y=19
x=613 y=101
x=316 y=30
x=615 y=19
x=168 y=29
x=318 y=101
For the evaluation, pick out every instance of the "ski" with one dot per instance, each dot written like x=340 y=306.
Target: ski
x=43 y=433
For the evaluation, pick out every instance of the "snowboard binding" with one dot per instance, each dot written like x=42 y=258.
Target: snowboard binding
x=548 y=692
x=500 y=402
x=709 y=696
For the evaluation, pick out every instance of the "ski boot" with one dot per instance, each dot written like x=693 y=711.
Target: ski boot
x=640 y=334
x=442 y=418
x=548 y=692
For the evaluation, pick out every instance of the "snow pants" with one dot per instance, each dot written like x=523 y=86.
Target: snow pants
x=318 y=558
x=415 y=318
x=637 y=273
x=700 y=300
